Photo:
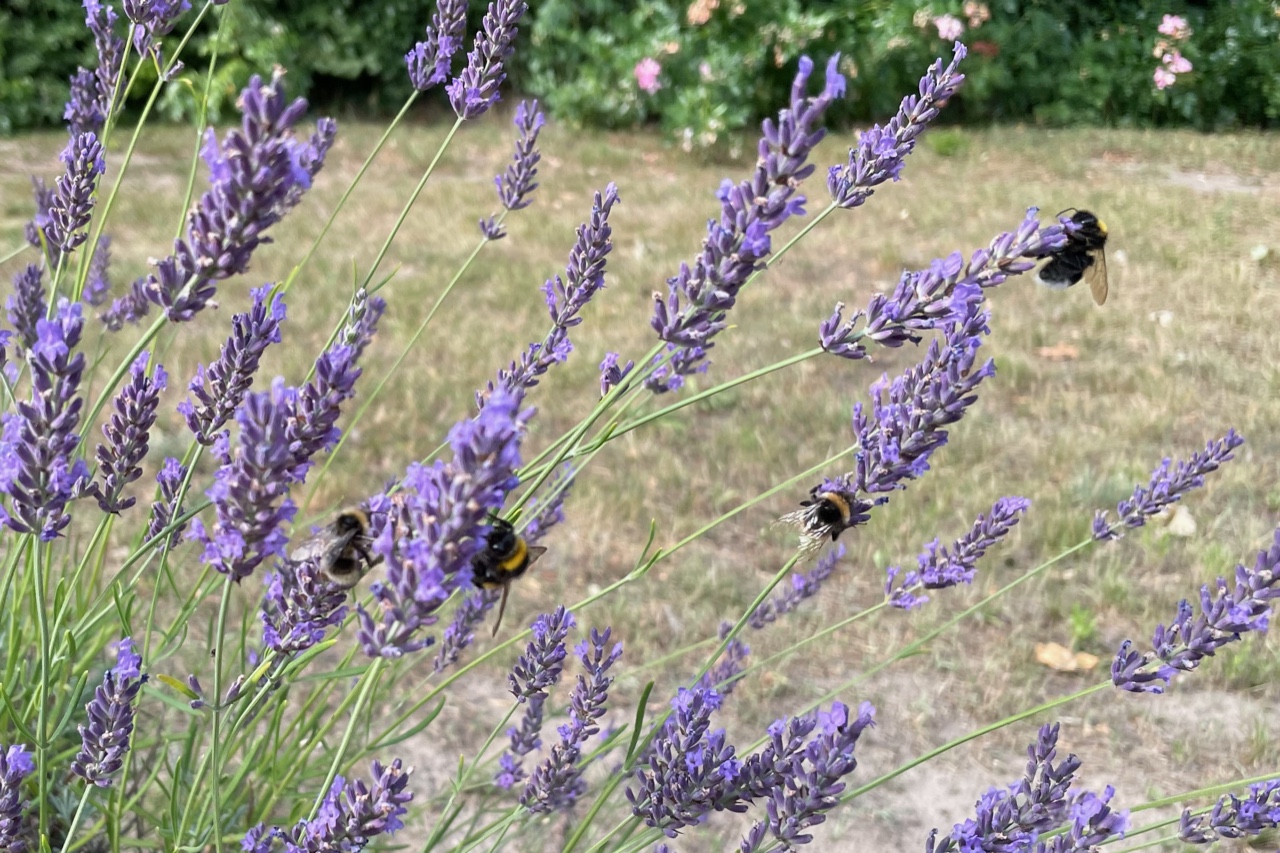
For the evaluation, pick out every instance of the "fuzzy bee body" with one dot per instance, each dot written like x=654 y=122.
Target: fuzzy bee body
x=1082 y=258
x=824 y=516
x=506 y=556
x=340 y=549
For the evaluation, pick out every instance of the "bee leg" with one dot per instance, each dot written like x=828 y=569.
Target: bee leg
x=502 y=608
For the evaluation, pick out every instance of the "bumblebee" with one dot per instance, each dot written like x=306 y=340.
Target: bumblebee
x=828 y=513
x=340 y=549
x=506 y=556
x=1082 y=257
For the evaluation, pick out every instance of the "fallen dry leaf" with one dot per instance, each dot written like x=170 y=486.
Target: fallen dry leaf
x=1061 y=658
x=1059 y=352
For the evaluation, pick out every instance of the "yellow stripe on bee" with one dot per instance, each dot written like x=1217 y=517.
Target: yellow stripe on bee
x=1102 y=226
x=515 y=561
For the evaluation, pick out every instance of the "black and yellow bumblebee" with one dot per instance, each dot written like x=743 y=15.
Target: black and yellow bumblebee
x=1082 y=257
x=340 y=549
x=827 y=513
x=506 y=556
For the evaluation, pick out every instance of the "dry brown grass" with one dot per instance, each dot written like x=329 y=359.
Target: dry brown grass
x=1186 y=347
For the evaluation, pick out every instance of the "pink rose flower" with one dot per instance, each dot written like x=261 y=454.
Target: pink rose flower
x=949 y=27
x=1164 y=78
x=646 y=73
x=1177 y=63
x=1174 y=26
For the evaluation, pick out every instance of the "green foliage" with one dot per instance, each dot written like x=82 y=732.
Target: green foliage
x=41 y=42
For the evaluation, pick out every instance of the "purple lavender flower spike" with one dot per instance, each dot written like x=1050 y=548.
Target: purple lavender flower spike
x=40 y=438
x=219 y=389
x=35 y=228
x=429 y=61
x=938 y=568
x=460 y=632
x=126 y=433
x=1233 y=817
x=1167 y=486
x=26 y=306
x=811 y=787
x=312 y=423
x=1093 y=822
x=92 y=91
x=738 y=244
x=105 y=741
x=72 y=207
x=565 y=297
x=16 y=764
x=475 y=90
x=517 y=184
x=165 y=510
x=545 y=512
x=536 y=671
x=931 y=298
x=1015 y=817
x=610 y=374
x=903 y=428
x=352 y=814
x=98 y=285
x=250 y=492
x=130 y=308
x=556 y=784
x=804 y=585
x=299 y=607
x=1227 y=612
x=152 y=19
x=881 y=151
x=444 y=508
x=257 y=174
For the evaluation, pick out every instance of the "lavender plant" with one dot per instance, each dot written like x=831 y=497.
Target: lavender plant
x=308 y=686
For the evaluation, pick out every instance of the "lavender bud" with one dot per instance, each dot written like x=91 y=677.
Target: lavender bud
x=127 y=432
x=130 y=308
x=429 y=61
x=105 y=741
x=351 y=815
x=557 y=783
x=476 y=89
x=803 y=585
x=1233 y=817
x=35 y=229
x=15 y=765
x=92 y=91
x=152 y=19
x=565 y=298
x=165 y=510
x=543 y=659
x=881 y=151
x=219 y=389
x=250 y=492
x=98 y=285
x=300 y=605
x=610 y=374
x=40 y=438
x=1226 y=614
x=939 y=569
x=1167 y=486
x=738 y=244
x=460 y=633
x=73 y=205
x=26 y=307
x=519 y=181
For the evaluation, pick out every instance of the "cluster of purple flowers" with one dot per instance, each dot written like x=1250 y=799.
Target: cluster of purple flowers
x=537 y=670
x=1233 y=817
x=516 y=185
x=352 y=814
x=475 y=89
x=93 y=91
x=127 y=433
x=15 y=765
x=105 y=741
x=804 y=585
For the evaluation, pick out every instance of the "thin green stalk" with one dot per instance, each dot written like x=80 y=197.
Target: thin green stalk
x=75 y=820
x=202 y=119
x=370 y=679
x=38 y=565
x=214 y=747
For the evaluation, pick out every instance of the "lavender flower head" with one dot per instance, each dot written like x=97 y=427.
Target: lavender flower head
x=881 y=151
x=537 y=670
x=556 y=784
x=92 y=91
x=72 y=206
x=300 y=605
x=475 y=90
x=105 y=741
x=166 y=509
x=1227 y=612
x=444 y=509
x=127 y=432
x=219 y=389
x=1233 y=817
x=931 y=298
x=460 y=632
x=250 y=492
x=700 y=296
x=938 y=568
x=16 y=764
x=804 y=585
x=98 y=284
x=611 y=375
x=520 y=180
x=152 y=19
x=429 y=61
x=565 y=298
x=1167 y=486
x=350 y=817
x=26 y=305
x=547 y=510
x=39 y=440
x=35 y=228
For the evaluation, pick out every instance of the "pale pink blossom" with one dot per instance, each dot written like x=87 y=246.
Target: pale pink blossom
x=977 y=13
x=1176 y=62
x=1164 y=78
x=1175 y=27
x=646 y=72
x=949 y=27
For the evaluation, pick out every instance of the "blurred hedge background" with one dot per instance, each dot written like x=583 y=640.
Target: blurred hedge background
x=721 y=63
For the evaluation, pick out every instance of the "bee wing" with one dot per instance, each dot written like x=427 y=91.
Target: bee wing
x=1096 y=275
x=312 y=549
x=534 y=552
x=502 y=608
